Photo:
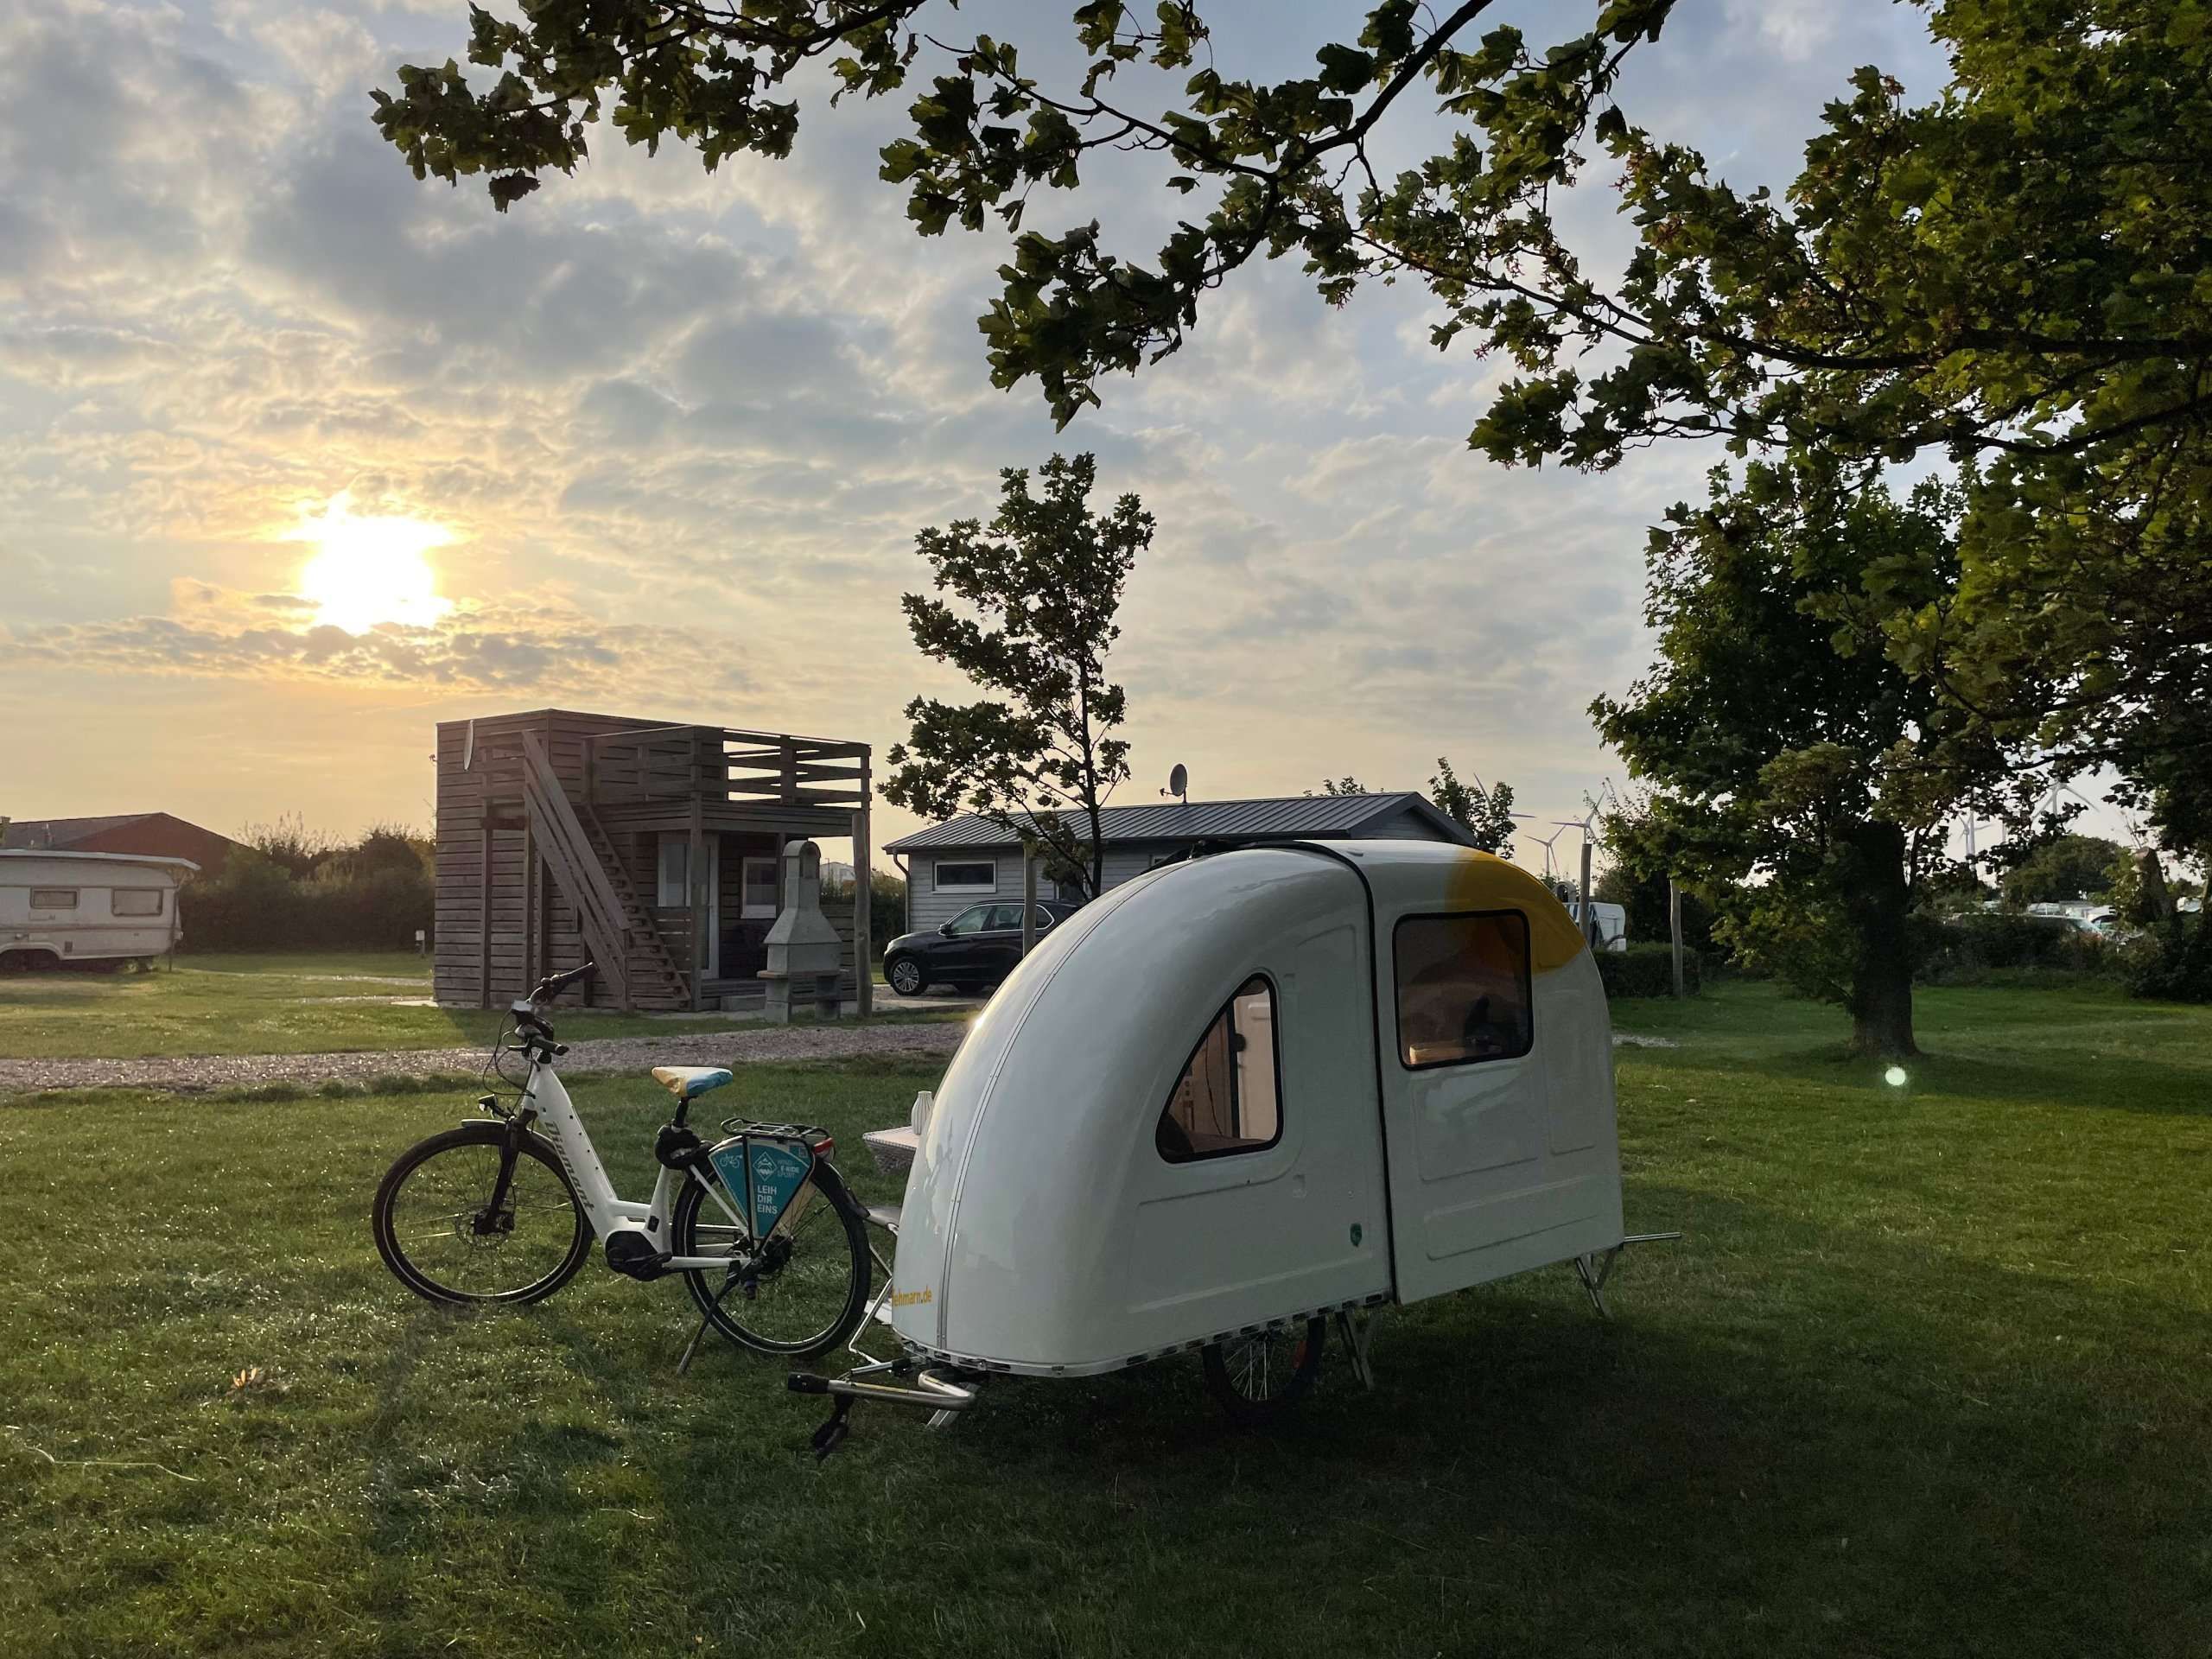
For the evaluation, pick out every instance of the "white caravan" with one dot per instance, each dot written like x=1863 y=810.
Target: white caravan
x=1608 y=929
x=103 y=909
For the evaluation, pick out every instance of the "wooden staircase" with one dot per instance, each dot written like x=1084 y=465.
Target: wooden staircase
x=634 y=967
x=655 y=982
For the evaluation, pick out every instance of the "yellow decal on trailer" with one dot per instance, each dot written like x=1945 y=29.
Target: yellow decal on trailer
x=1485 y=881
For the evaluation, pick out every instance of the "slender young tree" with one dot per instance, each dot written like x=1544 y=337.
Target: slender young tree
x=1029 y=615
x=1486 y=814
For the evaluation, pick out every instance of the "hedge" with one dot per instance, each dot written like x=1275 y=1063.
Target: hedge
x=1648 y=969
x=257 y=906
x=1961 y=949
x=2173 y=964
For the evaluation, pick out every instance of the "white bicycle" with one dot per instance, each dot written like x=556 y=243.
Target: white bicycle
x=764 y=1232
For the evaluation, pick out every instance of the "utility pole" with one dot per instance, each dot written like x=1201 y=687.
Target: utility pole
x=1591 y=934
x=1675 y=930
x=1028 y=902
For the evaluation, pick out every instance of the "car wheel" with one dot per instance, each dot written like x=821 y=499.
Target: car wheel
x=905 y=976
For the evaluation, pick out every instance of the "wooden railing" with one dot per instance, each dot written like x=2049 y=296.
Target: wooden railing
x=721 y=763
x=560 y=838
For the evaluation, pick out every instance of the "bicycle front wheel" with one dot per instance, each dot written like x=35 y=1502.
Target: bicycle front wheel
x=440 y=1231
x=801 y=1294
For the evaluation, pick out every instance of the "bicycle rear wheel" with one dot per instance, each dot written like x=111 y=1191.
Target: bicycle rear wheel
x=437 y=1230
x=802 y=1294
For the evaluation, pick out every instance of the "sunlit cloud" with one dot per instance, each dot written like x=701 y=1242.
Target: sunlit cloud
x=660 y=441
x=214 y=632
x=370 y=569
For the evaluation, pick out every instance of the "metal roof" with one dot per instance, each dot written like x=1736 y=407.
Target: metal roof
x=1279 y=817
x=62 y=855
x=25 y=833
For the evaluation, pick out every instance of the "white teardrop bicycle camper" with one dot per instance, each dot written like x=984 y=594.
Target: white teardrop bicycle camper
x=1244 y=1096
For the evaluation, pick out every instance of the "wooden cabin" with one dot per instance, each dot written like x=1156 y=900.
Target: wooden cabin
x=650 y=847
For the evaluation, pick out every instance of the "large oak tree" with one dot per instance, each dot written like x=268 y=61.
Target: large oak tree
x=1789 y=752
x=2010 y=283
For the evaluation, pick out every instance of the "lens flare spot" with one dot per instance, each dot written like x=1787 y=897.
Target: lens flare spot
x=369 y=569
x=1895 y=1077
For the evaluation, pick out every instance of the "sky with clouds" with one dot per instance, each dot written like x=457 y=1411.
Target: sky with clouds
x=668 y=435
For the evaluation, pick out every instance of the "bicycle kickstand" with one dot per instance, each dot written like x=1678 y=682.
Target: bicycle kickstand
x=683 y=1365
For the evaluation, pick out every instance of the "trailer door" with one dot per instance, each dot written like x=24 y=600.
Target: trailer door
x=1476 y=1193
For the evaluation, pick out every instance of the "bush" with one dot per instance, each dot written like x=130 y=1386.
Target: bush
x=2174 y=963
x=1964 y=949
x=1648 y=969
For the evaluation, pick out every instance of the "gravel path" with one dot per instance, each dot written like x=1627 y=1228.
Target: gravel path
x=673 y=1047
x=743 y=1047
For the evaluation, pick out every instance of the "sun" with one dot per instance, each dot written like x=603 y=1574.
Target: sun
x=368 y=569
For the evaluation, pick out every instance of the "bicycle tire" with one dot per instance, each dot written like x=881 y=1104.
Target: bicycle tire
x=721 y=1296
x=420 y=1278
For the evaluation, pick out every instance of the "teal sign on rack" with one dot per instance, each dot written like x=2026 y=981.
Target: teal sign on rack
x=765 y=1174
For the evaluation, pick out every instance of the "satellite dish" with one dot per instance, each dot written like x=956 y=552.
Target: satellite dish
x=1179 y=784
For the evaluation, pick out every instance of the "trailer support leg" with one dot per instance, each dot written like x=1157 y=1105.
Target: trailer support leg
x=1594 y=1269
x=1358 y=1331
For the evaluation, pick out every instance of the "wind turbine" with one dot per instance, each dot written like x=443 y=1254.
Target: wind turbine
x=1587 y=825
x=1551 y=872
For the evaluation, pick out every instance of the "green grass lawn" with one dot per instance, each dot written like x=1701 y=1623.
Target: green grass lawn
x=1927 y=1375
x=275 y=1003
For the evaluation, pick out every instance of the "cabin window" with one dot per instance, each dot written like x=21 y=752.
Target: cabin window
x=760 y=895
x=1463 y=989
x=54 y=897
x=136 y=901
x=1228 y=1099
x=967 y=876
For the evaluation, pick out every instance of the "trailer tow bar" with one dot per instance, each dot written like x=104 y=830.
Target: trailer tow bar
x=930 y=1390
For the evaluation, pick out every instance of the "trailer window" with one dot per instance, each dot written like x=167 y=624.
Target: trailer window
x=1229 y=1097
x=1463 y=989
x=54 y=897
x=136 y=901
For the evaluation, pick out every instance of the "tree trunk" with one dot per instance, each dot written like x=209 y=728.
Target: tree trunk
x=1877 y=900
x=2158 y=902
x=1097 y=852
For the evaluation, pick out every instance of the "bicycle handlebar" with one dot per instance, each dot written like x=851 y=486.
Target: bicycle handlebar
x=553 y=984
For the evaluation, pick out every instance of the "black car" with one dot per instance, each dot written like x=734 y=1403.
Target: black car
x=977 y=948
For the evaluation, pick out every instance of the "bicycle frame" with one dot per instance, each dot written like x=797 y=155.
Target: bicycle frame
x=546 y=1098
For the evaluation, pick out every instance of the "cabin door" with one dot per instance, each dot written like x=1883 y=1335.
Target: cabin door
x=676 y=888
x=1490 y=1173
x=1261 y=1185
